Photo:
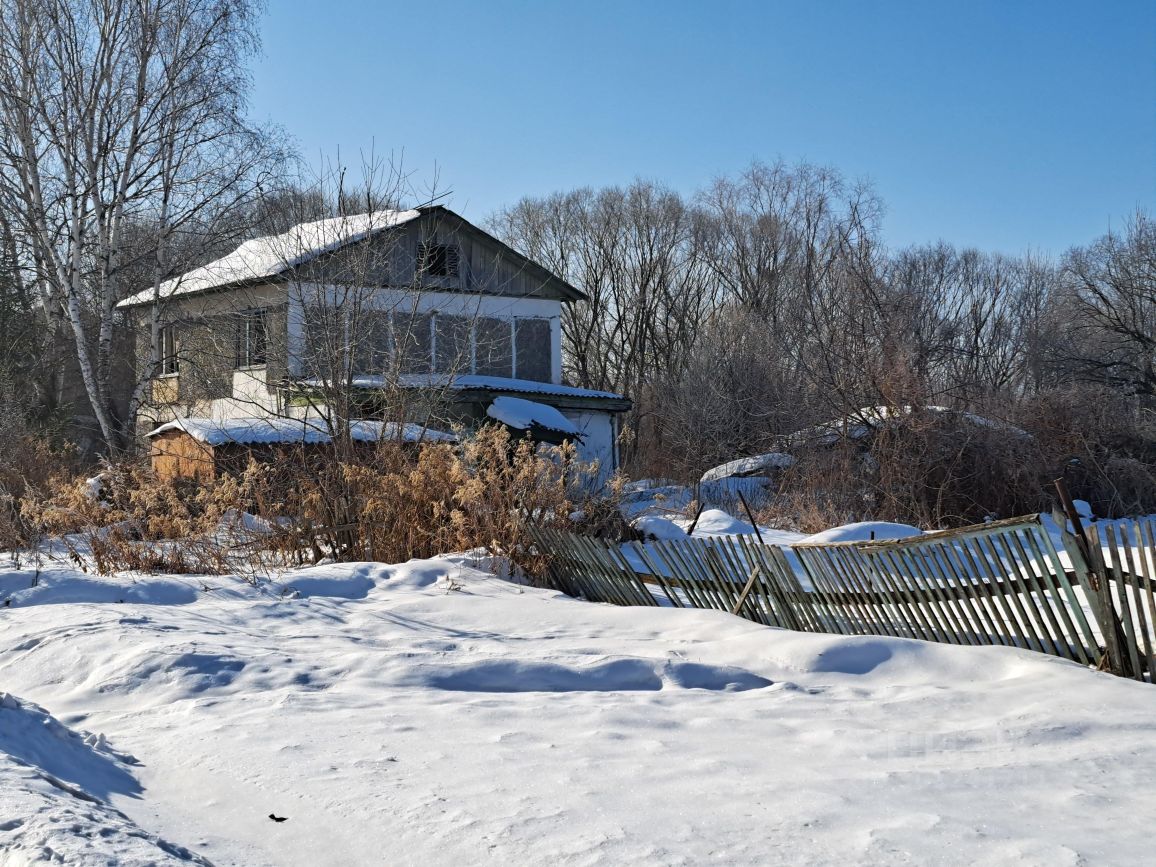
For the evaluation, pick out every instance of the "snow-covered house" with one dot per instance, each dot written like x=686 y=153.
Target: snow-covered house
x=419 y=304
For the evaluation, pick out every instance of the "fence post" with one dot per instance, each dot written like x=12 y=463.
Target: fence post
x=1110 y=626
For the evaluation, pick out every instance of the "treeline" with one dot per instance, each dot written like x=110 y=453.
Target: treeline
x=769 y=302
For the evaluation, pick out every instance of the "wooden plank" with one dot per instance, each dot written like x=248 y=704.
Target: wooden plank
x=1034 y=596
x=1091 y=646
x=1011 y=591
x=830 y=616
x=737 y=559
x=1123 y=603
x=840 y=583
x=1134 y=563
x=918 y=603
x=1147 y=548
x=656 y=575
x=1073 y=640
x=927 y=558
x=979 y=592
x=747 y=588
x=1005 y=597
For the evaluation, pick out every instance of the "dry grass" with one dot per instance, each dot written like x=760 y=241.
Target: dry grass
x=388 y=505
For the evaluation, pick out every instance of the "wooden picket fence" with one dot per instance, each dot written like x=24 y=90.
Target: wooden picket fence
x=1001 y=583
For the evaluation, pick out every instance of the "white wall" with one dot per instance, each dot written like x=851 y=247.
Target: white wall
x=599 y=434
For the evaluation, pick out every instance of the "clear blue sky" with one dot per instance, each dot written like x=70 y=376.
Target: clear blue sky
x=1004 y=125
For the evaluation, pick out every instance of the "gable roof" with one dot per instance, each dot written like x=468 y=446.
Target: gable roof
x=567 y=291
x=269 y=258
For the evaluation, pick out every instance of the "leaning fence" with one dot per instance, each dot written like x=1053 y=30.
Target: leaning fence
x=1003 y=583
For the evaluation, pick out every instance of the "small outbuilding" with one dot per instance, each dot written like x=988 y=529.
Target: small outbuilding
x=203 y=448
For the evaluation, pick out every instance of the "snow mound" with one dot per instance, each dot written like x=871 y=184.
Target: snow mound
x=755 y=465
x=654 y=527
x=522 y=414
x=716 y=522
x=54 y=789
x=862 y=531
x=20 y=588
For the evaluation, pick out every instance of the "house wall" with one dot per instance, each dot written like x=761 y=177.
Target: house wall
x=209 y=384
x=600 y=440
x=379 y=274
x=175 y=454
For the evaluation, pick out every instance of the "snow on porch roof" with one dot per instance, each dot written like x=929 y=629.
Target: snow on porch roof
x=276 y=254
x=526 y=414
x=262 y=431
x=482 y=383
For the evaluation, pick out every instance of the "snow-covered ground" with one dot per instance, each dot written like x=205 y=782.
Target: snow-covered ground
x=431 y=713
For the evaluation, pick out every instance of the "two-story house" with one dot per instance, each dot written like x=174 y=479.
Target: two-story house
x=416 y=308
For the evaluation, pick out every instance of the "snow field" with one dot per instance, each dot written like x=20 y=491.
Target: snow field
x=429 y=713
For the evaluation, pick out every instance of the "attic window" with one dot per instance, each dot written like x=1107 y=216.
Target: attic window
x=439 y=260
x=170 y=362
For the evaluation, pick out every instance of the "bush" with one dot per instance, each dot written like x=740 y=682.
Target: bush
x=928 y=468
x=389 y=504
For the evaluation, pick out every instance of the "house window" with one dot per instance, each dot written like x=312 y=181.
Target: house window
x=252 y=339
x=439 y=260
x=170 y=362
x=493 y=347
x=452 y=342
x=371 y=342
x=532 y=349
x=413 y=335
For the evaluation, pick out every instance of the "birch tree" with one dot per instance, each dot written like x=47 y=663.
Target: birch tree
x=122 y=136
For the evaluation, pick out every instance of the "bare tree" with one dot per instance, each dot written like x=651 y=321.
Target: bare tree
x=121 y=130
x=1110 y=288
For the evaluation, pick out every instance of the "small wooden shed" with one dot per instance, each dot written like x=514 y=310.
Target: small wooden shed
x=203 y=449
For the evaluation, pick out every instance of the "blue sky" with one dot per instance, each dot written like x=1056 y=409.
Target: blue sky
x=1004 y=125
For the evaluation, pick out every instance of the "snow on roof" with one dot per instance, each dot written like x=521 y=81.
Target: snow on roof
x=861 y=422
x=525 y=414
x=273 y=255
x=257 y=431
x=748 y=466
x=467 y=382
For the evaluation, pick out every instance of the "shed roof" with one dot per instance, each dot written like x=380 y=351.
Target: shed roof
x=521 y=414
x=268 y=431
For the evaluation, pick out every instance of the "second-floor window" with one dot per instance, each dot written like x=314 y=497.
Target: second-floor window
x=252 y=339
x=376 y=342
x=170 y=361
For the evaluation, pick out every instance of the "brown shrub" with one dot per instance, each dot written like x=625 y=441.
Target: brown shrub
x=927 y=468
x=1101 y=441
x=390 y=504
